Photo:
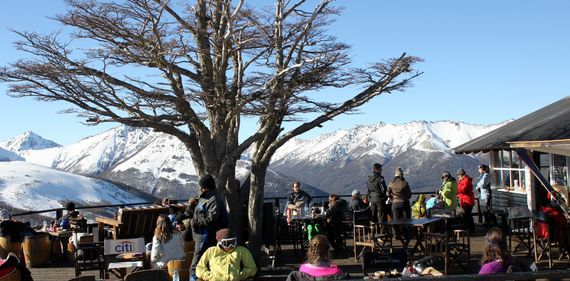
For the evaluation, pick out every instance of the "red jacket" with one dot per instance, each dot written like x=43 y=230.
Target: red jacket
x=465 y=192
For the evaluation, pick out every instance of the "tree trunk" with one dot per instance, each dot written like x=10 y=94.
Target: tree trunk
x=255 y=210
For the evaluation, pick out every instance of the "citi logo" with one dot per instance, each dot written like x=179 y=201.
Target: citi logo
x=124 y=247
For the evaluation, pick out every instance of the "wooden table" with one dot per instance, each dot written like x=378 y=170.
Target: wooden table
x=420 y=225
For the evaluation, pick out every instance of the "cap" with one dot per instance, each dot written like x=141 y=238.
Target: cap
x=4 y=214
x=445 y=174
x=460 y=172
x=208 y=182
x=355 y=192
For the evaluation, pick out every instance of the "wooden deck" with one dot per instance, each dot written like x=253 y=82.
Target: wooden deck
x=287 y=261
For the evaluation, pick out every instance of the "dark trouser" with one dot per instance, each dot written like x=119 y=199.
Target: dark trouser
x=378 y=210
x=201 y=243
x=468 y=218
x=400 y=211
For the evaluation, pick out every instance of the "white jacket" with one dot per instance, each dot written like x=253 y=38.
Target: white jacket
x=162 y=253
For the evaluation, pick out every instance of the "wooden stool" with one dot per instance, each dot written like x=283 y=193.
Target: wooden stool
x=182 y=266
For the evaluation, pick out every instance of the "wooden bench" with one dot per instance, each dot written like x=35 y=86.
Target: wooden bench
x=134 y=222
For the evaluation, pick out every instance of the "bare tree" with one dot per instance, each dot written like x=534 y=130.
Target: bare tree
x=193 y=71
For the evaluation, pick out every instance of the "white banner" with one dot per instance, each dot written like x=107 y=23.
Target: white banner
x=121 y=246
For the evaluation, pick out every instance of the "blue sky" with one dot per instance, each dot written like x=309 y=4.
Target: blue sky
x=485 y=62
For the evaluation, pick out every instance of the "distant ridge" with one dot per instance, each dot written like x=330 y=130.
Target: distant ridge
x=28 y=141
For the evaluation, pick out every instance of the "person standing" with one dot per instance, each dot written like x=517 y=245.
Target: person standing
x=466 y=198
x=399 y=192
x=483 y=186
x=205 y=220
x=448 y=190
x=377 y=193
x=419 y=208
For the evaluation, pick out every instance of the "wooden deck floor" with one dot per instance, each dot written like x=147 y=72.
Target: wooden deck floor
x=287 y=261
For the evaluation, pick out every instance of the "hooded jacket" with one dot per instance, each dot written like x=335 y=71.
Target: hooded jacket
x=419 y=208
x=465 y=192
x=376 y=187
x=448 y=193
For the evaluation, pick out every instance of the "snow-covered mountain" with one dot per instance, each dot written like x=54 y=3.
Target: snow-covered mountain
x=160 y=165
x=155 y=163
x=28 y=186
x=6 y=155
x=27 y=141
x=340 y=161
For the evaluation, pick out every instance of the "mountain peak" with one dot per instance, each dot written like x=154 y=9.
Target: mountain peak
x=28 y=141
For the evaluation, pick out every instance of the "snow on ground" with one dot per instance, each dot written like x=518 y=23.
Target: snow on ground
x=32 y=187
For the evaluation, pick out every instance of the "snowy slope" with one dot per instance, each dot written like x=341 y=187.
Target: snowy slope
x=27 y=141
x=154 y=163
x=6 y=155
x=32 y=187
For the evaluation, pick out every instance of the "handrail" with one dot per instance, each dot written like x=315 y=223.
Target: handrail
x=59 y=211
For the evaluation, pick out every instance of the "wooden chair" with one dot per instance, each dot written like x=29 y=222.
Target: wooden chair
x=134 y=222
x=89 y=256
x=437 y=247
x=367 y=235
x=460 y=250
x=148 y=275
x=542 y=245
x=83 y=278
x=520 y=232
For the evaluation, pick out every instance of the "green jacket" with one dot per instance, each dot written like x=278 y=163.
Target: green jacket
x=448 y=193
x=419 y=208
x=219 y=265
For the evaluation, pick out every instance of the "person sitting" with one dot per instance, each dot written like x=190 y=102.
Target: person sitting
x=11 y=264
x=15 y=229
x=73 y=219
x=337 y=213
x=166 y=243
x=419 y=208
x=296 y=201
x=183 y=226
x=496 y=257
x=434 y=202
x=226 y=260
x=318 y=261
x=356 y=203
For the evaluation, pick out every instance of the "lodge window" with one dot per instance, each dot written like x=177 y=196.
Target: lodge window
x=510 y=171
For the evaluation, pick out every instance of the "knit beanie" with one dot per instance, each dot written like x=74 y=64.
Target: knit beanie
x=207 y=182
x=223 y=233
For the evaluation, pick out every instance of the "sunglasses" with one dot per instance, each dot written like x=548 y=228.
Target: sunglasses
x=228 y=242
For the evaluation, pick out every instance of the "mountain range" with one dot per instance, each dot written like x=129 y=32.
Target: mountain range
x=159 y=165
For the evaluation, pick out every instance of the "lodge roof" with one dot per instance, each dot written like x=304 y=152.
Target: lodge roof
x=551 y=122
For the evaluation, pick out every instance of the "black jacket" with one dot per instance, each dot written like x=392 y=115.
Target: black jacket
x=376 y=187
